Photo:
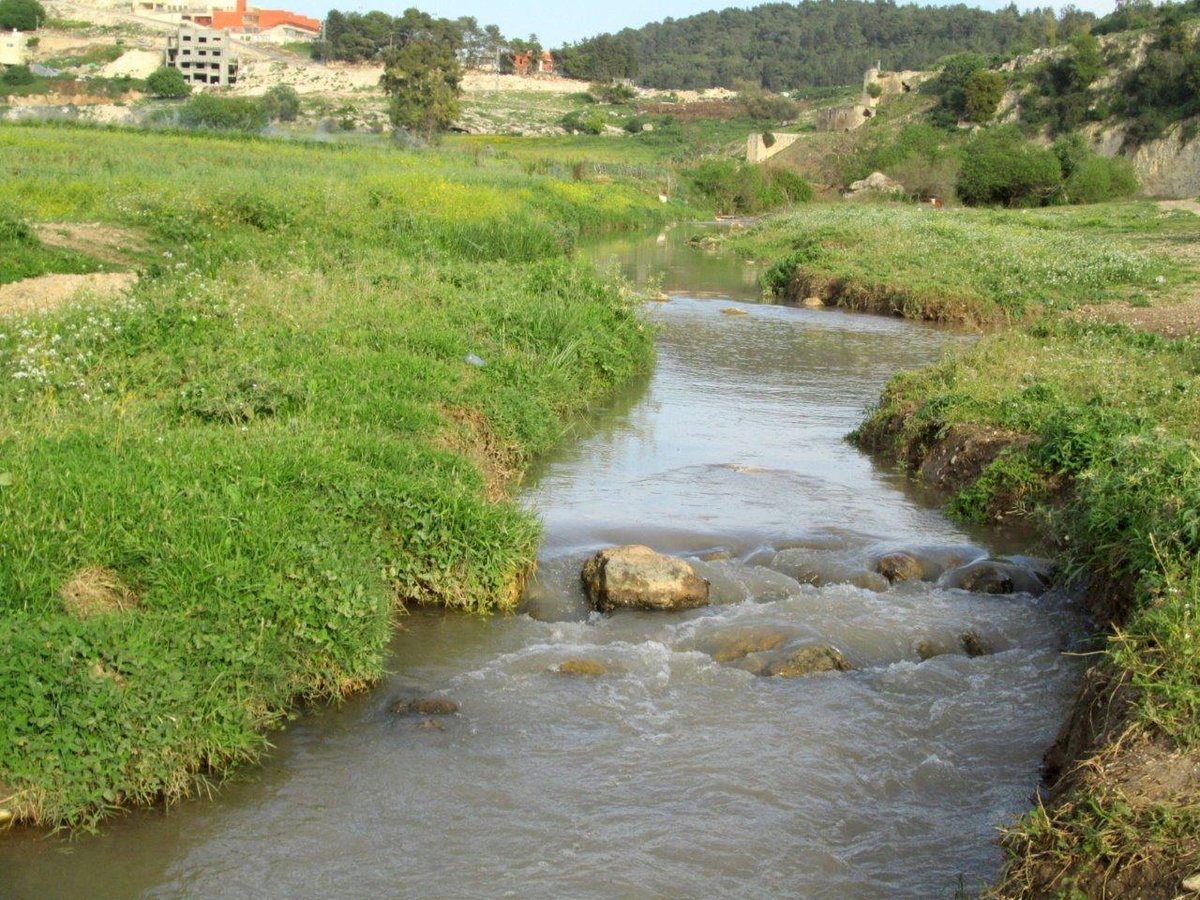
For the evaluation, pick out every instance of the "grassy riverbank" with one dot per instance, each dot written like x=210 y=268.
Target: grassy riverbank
x=216 y=491
x=970 y=266
x=1089 y=428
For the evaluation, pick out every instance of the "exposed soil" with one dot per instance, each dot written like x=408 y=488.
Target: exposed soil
x=108 y=243
x=47 y=292
x=471 y=437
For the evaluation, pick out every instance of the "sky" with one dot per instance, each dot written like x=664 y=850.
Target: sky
x=558 y=23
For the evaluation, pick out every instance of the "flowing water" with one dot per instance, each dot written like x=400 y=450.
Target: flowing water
x=672 y=775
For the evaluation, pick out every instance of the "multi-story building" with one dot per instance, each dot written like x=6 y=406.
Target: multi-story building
x=203 y=55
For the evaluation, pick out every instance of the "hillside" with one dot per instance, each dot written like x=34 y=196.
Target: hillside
x=782 y=46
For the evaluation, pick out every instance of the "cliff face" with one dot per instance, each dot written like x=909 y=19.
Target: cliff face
x=1168 y=167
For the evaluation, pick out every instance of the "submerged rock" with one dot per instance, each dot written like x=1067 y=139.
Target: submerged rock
x=636 y=577
x=994 y=576
x=425 y=706
x=973 y=644
x=810 y=660
x=821 y=567
x=738 y=643
x=582 y=668
x=900 y=567
x=927 y=650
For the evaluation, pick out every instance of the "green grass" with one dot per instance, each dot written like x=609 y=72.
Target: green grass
x=977 y=266
x=264 y=444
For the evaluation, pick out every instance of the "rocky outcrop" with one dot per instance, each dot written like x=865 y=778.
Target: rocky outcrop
x=636 y=577
x=874 y=185
x=1168 y=167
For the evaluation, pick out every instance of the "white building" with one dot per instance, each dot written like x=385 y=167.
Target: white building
x=14 y=49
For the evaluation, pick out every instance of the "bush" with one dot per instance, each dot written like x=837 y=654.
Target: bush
x=22 y=15
x=764 y=105
x=17 y=76
x=223 y=113
x=982 y=95
x=875 y=90
x=281 y=103
x=584 y=121
x=1001 y=168
x=1101 y=178
x=167 y=83
x=611 y=93
x=737 y=187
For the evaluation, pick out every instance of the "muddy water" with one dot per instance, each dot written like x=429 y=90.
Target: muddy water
x=672 y=775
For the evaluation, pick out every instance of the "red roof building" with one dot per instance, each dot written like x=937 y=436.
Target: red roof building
x=250 y=21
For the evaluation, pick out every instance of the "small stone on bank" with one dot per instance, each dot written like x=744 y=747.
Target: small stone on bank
x=1193 y=884
x=812 y=302
x=733 y=311
x=6 y=816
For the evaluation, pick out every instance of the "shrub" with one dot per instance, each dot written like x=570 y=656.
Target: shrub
x=584 y=121
x=22 y=15
x=982 y=95
x=740 y=188
x=1100 y=178
x=612 y=93
x=764 y=105
x=223 y=113
x=281 y=103
x=1001 y=168
x=875 y=90
x=17 y=76
x=167 y=83
x=1090 y=178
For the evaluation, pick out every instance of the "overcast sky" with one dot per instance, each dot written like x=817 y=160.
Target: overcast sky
x=559 y=23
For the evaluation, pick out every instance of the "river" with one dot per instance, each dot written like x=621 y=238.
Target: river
x=672 y=775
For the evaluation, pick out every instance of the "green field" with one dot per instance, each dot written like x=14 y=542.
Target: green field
x=217 y=492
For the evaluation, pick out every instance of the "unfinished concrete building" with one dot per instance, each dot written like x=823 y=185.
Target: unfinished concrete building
x=204 y=56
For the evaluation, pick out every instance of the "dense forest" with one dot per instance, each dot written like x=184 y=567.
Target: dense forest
x=781 y=46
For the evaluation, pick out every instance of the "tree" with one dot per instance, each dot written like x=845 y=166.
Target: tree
x=167 y=83
x=281 y=103
x=23 y=15
x=982 y=95
x=422 y=79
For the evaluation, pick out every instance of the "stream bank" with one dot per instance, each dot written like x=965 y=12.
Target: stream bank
x=1034 y=424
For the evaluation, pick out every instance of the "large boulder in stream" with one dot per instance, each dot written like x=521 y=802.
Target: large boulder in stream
x=636 y=577
x=994 y=576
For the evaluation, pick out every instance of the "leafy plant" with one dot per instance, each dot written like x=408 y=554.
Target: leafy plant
x=168 y=83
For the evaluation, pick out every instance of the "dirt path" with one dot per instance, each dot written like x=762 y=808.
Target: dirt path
x=107 y=243
x=48 y=292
